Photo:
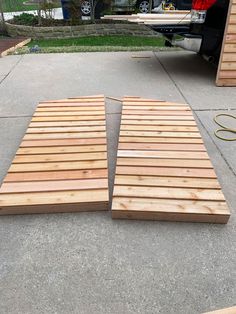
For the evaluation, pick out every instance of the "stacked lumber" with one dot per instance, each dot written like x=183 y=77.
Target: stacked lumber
x=61 y=164
x=226 y=74
x=163 y=170
x=175 y=17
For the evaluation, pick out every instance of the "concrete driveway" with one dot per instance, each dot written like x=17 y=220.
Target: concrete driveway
x=86 y=263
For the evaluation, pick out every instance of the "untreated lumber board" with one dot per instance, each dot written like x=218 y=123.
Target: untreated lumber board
x=61 y=164
x=163 y=171
x=226 y=74
x=229 y=310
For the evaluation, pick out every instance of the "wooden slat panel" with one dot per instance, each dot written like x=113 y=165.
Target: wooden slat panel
x=164 y=173
x=61 y=164
x=226 y=73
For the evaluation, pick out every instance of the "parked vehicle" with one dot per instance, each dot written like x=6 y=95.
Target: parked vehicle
x=142 y=6
x=204 y=34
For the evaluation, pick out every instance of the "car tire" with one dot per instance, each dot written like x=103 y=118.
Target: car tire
x=143 y=6
x=85 y=8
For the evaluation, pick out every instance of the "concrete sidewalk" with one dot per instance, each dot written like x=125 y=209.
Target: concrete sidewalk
x=85 y=262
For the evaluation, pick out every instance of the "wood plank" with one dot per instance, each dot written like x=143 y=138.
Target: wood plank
x=67 y=135
x=200 y=212
x=158 y=122
x=68 y=118
x=44 y=198
x=163 y=171
x=50 y=166
x=158 y=107
x=67 y=124
x=59 y=157
x=66 y=129
x=162 y=146
x=61 y=150
x=69 y=108
x=61 y=164
x=169 y=193
x=69 y=113
x=229 y=310
x=48 y=186
x=164 y=162
x=56 y=175
x=156 y=117
x=166 y=181
x=159 y=128
x=228 y=65
x=157 y=112
x=170 y=205
x=162 y=154
x=63 y=142
x=174 y=140
x=161 y=134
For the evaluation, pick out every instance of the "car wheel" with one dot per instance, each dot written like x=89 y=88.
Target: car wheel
x=143 y=6
x=85 y=7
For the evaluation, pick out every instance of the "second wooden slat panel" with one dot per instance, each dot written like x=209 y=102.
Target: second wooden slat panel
x=163 y=171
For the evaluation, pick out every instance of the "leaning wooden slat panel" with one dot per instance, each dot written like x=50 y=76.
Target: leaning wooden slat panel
x=61 y=164
x=165 y=174
x=226 y=74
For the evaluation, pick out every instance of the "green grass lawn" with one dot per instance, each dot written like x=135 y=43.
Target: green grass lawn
x=121 y=41
x=17 y=5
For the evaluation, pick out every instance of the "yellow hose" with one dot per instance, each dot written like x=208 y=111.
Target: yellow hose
x=224 y=127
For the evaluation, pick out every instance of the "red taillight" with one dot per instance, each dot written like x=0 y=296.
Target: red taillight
x=202 y=4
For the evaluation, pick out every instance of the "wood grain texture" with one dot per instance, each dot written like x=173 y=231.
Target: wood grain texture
x=61 y=164
x=228 y=310
x=226 y=73
x=164 y=172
